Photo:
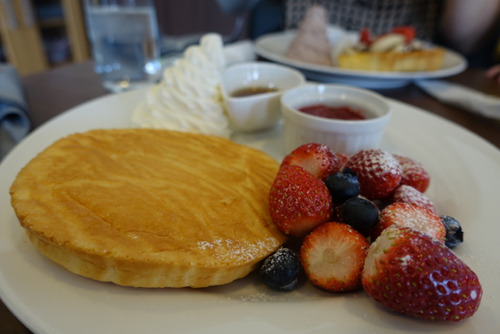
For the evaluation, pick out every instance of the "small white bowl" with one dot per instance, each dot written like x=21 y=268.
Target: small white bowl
x=258 y=111
x=342 y=136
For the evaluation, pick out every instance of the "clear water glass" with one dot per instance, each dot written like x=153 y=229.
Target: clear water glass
x=125 y=42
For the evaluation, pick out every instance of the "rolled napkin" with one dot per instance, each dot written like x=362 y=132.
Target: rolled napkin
x=462 y=97
x=239 y=52
x=14 y=120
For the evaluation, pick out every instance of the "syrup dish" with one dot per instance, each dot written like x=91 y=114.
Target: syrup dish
x=38 y=292
x=251 y=93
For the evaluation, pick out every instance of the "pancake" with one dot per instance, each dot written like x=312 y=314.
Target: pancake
x=149 y=208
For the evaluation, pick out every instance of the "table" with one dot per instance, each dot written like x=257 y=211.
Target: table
x=50 y=93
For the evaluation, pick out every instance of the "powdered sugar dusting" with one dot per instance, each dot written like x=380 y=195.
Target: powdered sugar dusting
x=383 y=161
x=405 y=260
x=376 y=161
x=416 y=217
x=408 y=194
x=230 y=250
x=277 y=260
x=379 y=173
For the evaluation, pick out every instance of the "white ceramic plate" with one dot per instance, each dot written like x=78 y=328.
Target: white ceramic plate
x=274 y=46
x=49 y=299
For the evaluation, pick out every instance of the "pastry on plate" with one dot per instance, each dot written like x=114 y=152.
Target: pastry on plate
x=311 y=44
x=397 y=50
x=149 y=208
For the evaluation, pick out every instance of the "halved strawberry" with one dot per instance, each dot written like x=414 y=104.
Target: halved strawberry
x=317 y=159
x=298 y=201
x=379 y=173
x=411 y=215
x=332 y=256
x=414 y=174
x=408 y=194
x=412 y=273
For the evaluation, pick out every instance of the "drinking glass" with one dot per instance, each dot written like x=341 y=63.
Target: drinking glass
x=125 y=42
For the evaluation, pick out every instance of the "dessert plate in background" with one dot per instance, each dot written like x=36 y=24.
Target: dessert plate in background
x=49 y=299
x=274 y=46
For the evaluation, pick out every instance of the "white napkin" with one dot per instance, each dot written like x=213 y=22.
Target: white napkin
x=462 y=97
x=238 y=52
x=14 y=121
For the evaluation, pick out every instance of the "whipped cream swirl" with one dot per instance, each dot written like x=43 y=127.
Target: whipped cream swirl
x=189 y=96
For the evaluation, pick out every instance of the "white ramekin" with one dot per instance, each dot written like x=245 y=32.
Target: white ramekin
x=342 y=136
x=260 y=111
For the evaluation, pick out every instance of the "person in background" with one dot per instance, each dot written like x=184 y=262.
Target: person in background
x=494 y=73
x=472 y=28
x=463 y=25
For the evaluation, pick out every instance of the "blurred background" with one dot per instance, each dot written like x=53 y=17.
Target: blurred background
x=37 y=35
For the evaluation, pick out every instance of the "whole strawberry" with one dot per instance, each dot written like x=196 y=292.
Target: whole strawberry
x=407 y=194
x=411 y=215
x=298 y=201
x=342 y=159
x=379 y=173
x=333 y=255
x=414 y=174
x=317 y=159
x=412 y=273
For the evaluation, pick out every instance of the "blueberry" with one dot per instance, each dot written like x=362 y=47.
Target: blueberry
x=343 y=185
x=454 y=233
x=360 y=213
x=280 y=270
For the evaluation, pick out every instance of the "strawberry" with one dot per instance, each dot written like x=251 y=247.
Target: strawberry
x=364 y=36
x=408 y=194
x=342 y=159
x=333 y=255
x=410 y=272
x=411 y=215
x=379 y=173
x=414 y=174
x=408 y=32
x=298 y=201
x=317 y=159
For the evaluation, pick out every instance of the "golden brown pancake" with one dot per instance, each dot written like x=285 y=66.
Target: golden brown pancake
x=149 y=208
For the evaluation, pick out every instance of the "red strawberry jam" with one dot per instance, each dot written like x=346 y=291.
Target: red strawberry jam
x=343 y=113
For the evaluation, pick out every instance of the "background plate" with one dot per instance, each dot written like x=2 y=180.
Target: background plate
x=273 y=47
x=50 y=299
